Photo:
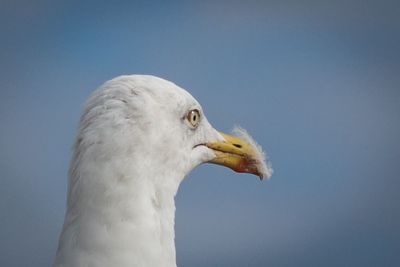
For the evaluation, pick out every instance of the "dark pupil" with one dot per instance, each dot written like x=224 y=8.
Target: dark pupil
x=194 y=117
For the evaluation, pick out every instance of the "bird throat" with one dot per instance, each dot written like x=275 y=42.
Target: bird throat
x=120 y=221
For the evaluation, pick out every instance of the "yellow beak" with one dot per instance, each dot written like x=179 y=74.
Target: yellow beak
x=237 y=154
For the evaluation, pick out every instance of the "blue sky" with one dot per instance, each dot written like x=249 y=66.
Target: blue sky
x=315 y=82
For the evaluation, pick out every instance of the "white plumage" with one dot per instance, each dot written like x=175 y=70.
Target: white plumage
x=135 y=145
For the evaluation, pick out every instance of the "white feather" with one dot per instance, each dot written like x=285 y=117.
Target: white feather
x=263 y=163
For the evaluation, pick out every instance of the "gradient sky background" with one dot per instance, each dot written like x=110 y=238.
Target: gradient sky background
x=315 y=82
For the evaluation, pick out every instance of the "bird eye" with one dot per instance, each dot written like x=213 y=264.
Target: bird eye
x=193 y=117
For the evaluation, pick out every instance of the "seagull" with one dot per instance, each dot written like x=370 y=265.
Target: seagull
x=138 y=138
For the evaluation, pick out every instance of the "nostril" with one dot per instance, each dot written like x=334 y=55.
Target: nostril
x=237 y=145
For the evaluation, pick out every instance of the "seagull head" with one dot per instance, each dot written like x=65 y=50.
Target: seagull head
x=155 y=122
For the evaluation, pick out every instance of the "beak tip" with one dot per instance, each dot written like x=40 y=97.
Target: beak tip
x=262 y=176
x=264 y=172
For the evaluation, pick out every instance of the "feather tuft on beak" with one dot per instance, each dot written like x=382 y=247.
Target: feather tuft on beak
x=242 y=154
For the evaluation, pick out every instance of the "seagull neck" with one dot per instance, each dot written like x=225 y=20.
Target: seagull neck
x=155 y=220
x=122 y=220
